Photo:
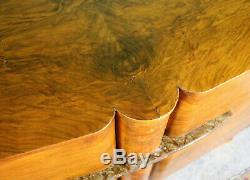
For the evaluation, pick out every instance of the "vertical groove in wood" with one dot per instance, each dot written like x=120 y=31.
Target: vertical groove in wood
x=139 y=136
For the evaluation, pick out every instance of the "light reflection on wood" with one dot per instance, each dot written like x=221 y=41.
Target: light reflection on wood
x=65 y=64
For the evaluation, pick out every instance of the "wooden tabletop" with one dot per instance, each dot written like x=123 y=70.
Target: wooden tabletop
x=64 y=65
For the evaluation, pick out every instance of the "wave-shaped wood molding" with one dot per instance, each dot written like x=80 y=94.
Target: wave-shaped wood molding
x=140 y=136
x=81 y=155
x=65 y=65
x=195 y=108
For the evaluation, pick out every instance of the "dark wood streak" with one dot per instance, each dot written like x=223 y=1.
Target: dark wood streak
x=65 y=64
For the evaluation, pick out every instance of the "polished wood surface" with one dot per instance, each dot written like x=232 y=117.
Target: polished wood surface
x=196 y=108
x=64 y=65
x=79 y=156
x=142 y=136
x=238 y=122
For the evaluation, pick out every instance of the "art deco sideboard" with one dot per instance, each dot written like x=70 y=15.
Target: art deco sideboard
x=79 y=78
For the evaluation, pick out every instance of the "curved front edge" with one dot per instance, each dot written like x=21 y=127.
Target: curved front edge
x=195 y=108
x=139 y=136
x=64 y=160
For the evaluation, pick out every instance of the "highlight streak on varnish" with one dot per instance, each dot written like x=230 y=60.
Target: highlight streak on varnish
x=64 y=66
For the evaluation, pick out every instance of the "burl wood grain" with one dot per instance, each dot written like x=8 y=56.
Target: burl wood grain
x=64 y=65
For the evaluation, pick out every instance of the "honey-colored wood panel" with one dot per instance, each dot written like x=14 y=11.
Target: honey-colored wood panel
x=240 y=119
x=64 y=65
x=139 y=136
x=195 y=108
x=65 y=160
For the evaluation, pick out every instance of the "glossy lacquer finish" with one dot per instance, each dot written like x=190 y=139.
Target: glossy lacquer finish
x=98 y=74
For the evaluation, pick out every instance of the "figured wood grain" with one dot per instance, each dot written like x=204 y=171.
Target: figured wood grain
x=195 y=108
x=64 y=65
x=238 y=121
